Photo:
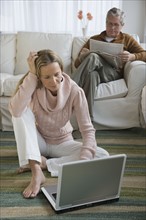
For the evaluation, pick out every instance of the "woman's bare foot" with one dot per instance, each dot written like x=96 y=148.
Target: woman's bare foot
x=26 y=168
x=23 y=169
x=37 y=180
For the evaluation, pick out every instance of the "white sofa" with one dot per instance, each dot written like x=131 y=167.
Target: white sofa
x=117 y=104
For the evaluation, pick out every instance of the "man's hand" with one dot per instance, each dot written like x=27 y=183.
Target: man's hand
x=30 y=60
x=126 y=56
x=84 y=52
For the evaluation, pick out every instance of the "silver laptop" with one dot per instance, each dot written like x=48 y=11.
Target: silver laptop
x=86 y=182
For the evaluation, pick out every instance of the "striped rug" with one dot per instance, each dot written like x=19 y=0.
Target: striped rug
x=132 y=202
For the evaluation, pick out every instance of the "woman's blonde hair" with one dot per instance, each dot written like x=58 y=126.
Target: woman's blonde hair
x=44 y=58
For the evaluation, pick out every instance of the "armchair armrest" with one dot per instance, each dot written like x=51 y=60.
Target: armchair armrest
x=135 y=77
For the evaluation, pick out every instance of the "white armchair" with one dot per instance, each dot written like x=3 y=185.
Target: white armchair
x=117 y=104
x=123 y=111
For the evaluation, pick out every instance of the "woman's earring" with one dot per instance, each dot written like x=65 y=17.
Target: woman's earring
x=62 y=79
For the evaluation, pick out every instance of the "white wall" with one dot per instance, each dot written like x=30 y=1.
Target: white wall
x=135 y=20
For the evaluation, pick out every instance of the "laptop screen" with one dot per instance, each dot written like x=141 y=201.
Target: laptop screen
x=91 y=181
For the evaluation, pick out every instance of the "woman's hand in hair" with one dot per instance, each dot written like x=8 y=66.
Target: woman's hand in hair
x=30 y=60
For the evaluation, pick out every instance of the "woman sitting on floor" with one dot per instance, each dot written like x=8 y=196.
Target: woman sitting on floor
x=41 y=110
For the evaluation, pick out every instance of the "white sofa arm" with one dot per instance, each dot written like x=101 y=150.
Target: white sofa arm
x=135 y=77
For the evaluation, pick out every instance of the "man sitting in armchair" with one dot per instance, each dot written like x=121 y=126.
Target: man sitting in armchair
x=92 y=69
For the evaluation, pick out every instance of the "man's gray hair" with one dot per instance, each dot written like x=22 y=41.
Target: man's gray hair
x=116 y=12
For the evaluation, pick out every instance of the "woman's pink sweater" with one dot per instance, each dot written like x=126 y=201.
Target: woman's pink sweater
x=53 y=113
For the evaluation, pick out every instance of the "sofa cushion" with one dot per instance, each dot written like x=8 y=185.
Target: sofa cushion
x=10 y=84
x=3 y=77
x=78 y=43
x=143 y=45
x=33 y=41
x=136 y=37
x=7 y=53
x=110 y=90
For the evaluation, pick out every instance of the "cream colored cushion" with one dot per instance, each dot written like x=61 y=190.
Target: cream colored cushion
x=78 y=43
x=33 y=41
x=10 y=84
x=7 y=53
x=111 y=90
x=3 y=77
x=143 y=45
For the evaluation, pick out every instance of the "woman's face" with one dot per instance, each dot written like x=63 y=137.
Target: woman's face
x=113 y=26
x=51 y=76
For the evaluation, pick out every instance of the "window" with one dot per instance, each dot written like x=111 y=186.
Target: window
x=56 y=16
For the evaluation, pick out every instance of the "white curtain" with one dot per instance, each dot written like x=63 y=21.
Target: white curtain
x=56 y=16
